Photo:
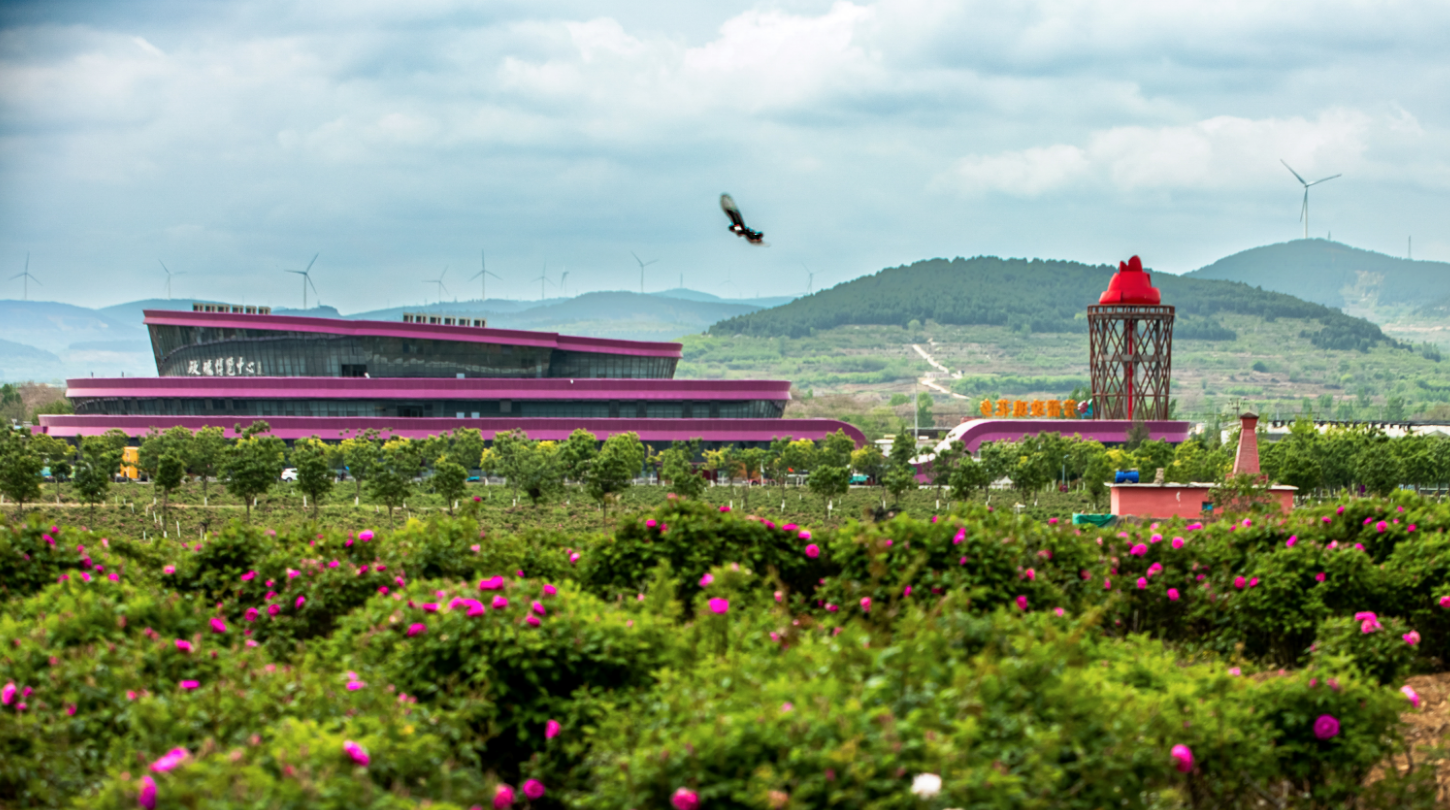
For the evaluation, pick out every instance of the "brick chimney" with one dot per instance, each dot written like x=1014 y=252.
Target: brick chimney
x=1246 y=460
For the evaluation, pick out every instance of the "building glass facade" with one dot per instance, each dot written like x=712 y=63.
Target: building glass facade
x=214 y=351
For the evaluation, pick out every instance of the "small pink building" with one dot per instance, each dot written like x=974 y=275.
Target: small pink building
x=1191 y=500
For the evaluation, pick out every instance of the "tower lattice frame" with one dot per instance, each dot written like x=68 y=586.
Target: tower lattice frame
x=1130 y=360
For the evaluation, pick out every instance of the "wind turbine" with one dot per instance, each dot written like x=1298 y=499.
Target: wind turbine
x=1304 y=212
x=562 y=280
x=642 y=265
x=441 y=285
x=483 y=274
x=543 y=279
x=25 y=288
x=810 y=279
x=169 y=274
x=306 y=280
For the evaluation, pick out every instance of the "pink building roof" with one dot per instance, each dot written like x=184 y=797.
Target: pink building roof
x=444 y=388
x=422 y=331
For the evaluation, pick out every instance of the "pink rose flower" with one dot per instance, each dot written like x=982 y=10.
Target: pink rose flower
x=1319 y=577
x=1182 y=758
x=301 y=600
x=552 y=729
x=183 y=645
x=1142 y=583
x=169 y=760
x=218 y=624
x=550 y=590
x=685 y=800
x=1139 y=550
x=249 y=576
x=865 y=604
x=532 y=620
x=706 y=580
x=189 y=684
x=251 y=614
x=720 y=606
x=1173 y=594
x=813 y=551
x=503 y=797
x=499 y=603
x=1059 y=612
x=147 y=797
x=1291 y=541
x=169 y=569
x=491 y=584
x=1326 y=726
x=417 y=629
x=1021 y=602
x=357 y=752
x=533 y=788
x=1411 y=638
x=1413 y=696
x=365 y=535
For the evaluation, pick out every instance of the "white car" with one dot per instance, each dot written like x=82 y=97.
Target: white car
x=289 y=474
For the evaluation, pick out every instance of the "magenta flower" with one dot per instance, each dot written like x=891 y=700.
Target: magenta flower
x=1381 y=526
x=365 y=535
x=651 y=523
x=218 y=624
x=383 y=590
x=1182 y=758
x=805 y=535
x=7 y=694
x=249 y=576
x=1021 y=602
x=354 y=685
x=1173 y=594
x=1139 y=550
x=1142 y=583
x=273 y=609
x=301 y=600
x=1291 y=541
x=905 y=592
x=1235 y=671
x=1248 y=523
x=417 y=629
x=1319 y=577
x=538 y=607
x=499 y=603
x=831 y=608
x=170 y=760
x=720 y=606
x=706 y=580
x=1365 y=614
x=1413 y=696
x=1157 y=538
x=430 y=607
x=251 y=614
x=168 y=569
x=533 y=788
x=865 y=604
x=357 y=752
x=552 y=729
x=1030 y=574
x=1445 y=602
x=813 y=551
x=147 y=797
x=183 y=645
x=1254 y=583
x=1059 y=612
x=1240 y=582
x=550 y=590
x=685 y=800
x=532 y=620
x=1325 y=726
x=1193 y=527
x=1107 y=584
x=189 y=684
x=503 y=797
x=1411 y=638
x=475 y=607
x=491 y=584
x=722 y=509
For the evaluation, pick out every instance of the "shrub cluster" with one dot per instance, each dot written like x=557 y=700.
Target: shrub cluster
x=699 y=658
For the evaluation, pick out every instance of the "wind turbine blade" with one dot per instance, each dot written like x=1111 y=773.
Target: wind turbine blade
x=1304 y=209
x=1291 y=171
x=309 y=283
x=164 y=267
x=475 y=275
x=314 y=261
x=1325 y=180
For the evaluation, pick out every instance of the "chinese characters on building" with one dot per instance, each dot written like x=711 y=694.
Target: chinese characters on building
x=223 y=367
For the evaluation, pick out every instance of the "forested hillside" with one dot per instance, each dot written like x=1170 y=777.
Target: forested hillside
x=1037 y=296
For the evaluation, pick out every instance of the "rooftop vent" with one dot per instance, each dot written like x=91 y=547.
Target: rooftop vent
x=235 y=309
x=443 y=320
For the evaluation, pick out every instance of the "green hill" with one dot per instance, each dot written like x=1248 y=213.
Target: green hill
x=1360 y=282
x=1037 y=296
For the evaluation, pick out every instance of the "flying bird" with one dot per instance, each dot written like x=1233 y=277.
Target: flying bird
x=737 y=222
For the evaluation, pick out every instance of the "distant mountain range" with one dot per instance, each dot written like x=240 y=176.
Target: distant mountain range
x=1371 y=285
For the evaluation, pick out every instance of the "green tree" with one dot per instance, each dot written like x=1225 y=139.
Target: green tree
x=750 y=462
x=944 y=462
x=1096 y=475
x=170 y=472
x=313 y=460
x=869 y=462
x=677 y=467
x=359 y=454
x=924 y=404
x=208 y=448
x=390 y=478
x=1376 y=467
x=450 y=479
x=1295 y=459
x=799 y=456
x=775 y=459
x=576 y=453
x=611 y=472
x=254 y=463
x=98 y=462
x=465 y=448
x=968 y=477
x=513 y=456
x=20 y=469
x=900 y=473
x=835 y=449
x=829 y=481
x=55 y=454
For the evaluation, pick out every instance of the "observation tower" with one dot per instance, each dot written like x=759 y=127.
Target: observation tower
x=1130 y=348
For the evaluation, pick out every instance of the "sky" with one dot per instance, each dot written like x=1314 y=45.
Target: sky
x=236 y=140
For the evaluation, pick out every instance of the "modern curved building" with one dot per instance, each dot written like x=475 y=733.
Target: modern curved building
x=224 y=365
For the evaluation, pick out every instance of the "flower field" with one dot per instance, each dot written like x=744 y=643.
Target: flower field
x=695 y=657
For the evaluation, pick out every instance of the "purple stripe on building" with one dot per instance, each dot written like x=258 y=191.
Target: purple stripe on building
x=1108 y=431
x=655 y=431
x=462 y=334
x=436 y=388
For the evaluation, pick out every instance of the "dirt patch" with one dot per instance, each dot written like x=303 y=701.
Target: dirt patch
x=1427 y=729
